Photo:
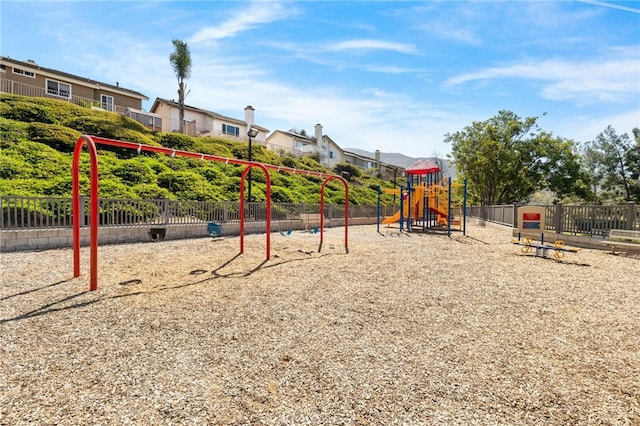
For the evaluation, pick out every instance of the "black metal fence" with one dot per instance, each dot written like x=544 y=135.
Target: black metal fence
x=594 y=221
x=55 y=212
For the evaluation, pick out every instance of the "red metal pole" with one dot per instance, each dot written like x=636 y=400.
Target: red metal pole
x=346 y=211
x=268 y=206
x=91 y=142
x=93 y=210
x=242 y=179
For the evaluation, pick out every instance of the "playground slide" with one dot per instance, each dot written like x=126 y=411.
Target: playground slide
x=396 y=217
x=392 y=219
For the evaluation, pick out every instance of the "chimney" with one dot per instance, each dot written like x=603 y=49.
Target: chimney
x=318 y=133
x=248 y=115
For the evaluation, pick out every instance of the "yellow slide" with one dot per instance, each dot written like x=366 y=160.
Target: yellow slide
x=396 y=217
x=392 y=219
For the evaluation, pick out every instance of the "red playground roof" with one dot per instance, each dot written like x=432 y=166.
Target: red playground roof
x=422 y=167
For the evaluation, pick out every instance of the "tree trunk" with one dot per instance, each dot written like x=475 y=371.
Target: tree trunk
x=181 y=106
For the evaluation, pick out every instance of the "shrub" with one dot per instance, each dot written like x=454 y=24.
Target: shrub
x=13 y=168
x=282 y=195
x=151 y=191
x=12 y=132
x=348 y=171
x=176 y=141
x=27 y=111
x=289 y=162
x=186 y=185
x=134 y=172
x=57 y=137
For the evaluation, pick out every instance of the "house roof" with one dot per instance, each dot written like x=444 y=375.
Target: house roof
x=422 y=167
x=293 y=135
x=205 y=112
x=89 y=82
x=370 y=159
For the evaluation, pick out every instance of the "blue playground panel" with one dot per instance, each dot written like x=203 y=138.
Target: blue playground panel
x=531 y=225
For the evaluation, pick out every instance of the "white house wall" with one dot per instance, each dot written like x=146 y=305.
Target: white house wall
x=279 y=141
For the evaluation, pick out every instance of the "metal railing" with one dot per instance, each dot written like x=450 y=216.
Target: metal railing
x=17 y=88
x=591 y=220
x=20 y=212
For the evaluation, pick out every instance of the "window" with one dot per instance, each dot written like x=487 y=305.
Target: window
x=106 y=102
x=58 y=89
x=332 y=154
x=230 y=130
x=23 y=72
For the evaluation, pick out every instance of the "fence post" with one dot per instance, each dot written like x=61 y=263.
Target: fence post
x=83 y=217
x=515 y=215
x=225 y=211
x=631 y=214
x=166 y=211
x=557 y=218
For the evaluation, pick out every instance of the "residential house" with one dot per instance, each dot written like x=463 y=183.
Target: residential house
x=327 y=150
x=201 y=122
x=373 y=165
x=27 y=78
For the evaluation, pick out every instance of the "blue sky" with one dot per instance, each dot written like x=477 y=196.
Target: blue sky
x=395 y=76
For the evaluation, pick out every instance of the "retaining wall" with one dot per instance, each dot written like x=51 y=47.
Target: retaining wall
x=52 y=238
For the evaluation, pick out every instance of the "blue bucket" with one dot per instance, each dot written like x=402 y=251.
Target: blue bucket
x=214 y=229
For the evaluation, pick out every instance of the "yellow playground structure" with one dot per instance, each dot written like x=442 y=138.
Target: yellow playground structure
x=426 y=202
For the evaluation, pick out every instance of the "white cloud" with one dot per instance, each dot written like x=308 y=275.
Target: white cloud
x=611 y=5
x=365 y=44
x=585 y=128
x=610 y=80
x=244 y=19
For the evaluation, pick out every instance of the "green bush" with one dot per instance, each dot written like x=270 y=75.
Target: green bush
x=212 y=146
x=111 y=188
x=30 y=112
x=46 y=162
x=134 y=172
x=282 y=195
x=151 y=191
x=13 y=167
x=12 y=132
x=289 y=162
x=28 y=187
x=176 y=141
x=58 y=137
x=347 y=169
x=186 y=185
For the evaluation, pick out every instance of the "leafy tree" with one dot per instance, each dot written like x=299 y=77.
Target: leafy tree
x=301 y=132
x=505 y=159
x=181 y=62
x=632 y=158
x=592 y=160
x=615 y=150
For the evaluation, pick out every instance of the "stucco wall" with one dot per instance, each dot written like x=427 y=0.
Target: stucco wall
x=44 y=239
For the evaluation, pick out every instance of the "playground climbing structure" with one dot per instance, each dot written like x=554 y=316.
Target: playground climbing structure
x=427 y=202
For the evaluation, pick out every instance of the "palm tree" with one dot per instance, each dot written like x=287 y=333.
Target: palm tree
x=181 y=62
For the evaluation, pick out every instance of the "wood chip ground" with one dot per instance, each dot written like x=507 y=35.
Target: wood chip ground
x=405 y=329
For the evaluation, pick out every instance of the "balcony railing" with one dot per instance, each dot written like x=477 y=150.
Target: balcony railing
x=16 y=88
